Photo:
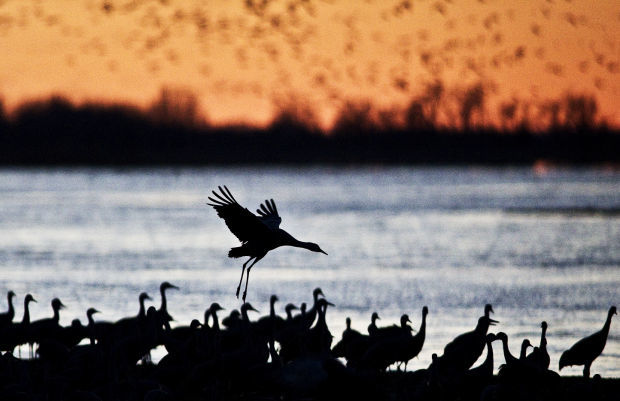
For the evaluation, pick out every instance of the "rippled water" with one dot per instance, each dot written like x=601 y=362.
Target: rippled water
x=536 y=246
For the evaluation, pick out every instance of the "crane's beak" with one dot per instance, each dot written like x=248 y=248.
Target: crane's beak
x=322 y=251
x=493 y=322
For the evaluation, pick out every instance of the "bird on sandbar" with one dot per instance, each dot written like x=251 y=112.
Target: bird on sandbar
x=258 y=234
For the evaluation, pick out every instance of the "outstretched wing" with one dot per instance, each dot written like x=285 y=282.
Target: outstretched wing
x=244 y=224
x=269 y=214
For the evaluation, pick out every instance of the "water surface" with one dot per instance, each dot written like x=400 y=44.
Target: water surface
x=538 y=247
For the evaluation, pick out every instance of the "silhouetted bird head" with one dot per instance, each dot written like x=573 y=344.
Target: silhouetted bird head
x=11 y=294
x=491 y=337
x=543 y=325
x=144 y=296
x=166 y=285
x=56 y=304
x=29 y=298
x=91 y=311
x=612 y=311
x=375 y=316
x=311 y=246
x=425 y=311
x=488 y=309
x=315 y=294
x=248 y=307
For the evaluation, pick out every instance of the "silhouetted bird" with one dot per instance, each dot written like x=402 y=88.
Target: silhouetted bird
x=47 y=328
x=130 y=326
x=465 y=349
x=16 y=334
x=258 y=235
x=395 y=346
x=6 y=318
x=352 y=346
x=539 y=358
x=372 y=327
x=508 y=357
x=163 y=309
x=586 y=350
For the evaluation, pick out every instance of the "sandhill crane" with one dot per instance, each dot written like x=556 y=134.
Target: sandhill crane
x=397 y=346
x=508 y=357
x=352 y=346
x=48 y=327
x=6 y=318
x=540 y=357
x=465 y=349
x=17 y=333
x=289 y=308
x=372 y=327
x=163 y=309
x=393 y=330
x=128 y=326
x=586 y=350
x=258 y=235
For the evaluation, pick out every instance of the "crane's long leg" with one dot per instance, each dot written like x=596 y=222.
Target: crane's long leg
x=241 y=279
x=247 y=278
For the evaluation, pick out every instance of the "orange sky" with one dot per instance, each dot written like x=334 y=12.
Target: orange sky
x=242 y=57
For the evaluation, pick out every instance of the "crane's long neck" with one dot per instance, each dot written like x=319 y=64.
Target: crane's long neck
x=422 y=331
x=272 y=308
x=11 y=307
x=523 y=350
x=508 y=357
x=607 y=325
x=142 y=311
x=216 y=323
x=56 y=314
x=164 y=303
x=26 y=318
x=489 y=361
x=543 y=339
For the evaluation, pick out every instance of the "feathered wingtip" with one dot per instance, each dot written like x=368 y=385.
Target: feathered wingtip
x=226 y=197
x=267 y=208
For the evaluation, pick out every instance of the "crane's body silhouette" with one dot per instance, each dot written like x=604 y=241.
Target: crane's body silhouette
x=586 y=350
x=258 y=234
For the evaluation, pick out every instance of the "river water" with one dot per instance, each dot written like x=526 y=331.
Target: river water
x=538 y=244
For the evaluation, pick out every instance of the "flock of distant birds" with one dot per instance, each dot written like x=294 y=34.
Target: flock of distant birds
x=303 y=360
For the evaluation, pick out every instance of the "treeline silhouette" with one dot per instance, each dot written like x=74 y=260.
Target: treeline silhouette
x=435 y=128
x=275 y=357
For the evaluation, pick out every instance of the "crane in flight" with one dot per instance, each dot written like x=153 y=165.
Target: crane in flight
x=258 y=234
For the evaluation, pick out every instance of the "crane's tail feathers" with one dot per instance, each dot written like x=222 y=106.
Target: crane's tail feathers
x=236 y=252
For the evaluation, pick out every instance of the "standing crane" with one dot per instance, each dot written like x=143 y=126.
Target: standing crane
x=586 y=350
x=258 y=234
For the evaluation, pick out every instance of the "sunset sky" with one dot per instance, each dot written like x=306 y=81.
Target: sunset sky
x=245 y=58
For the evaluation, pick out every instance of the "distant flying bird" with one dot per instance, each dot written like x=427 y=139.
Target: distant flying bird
x=586 y=350
x=258 y=234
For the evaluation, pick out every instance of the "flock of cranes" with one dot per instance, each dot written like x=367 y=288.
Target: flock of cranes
x=272 y=357
x=289 y=355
